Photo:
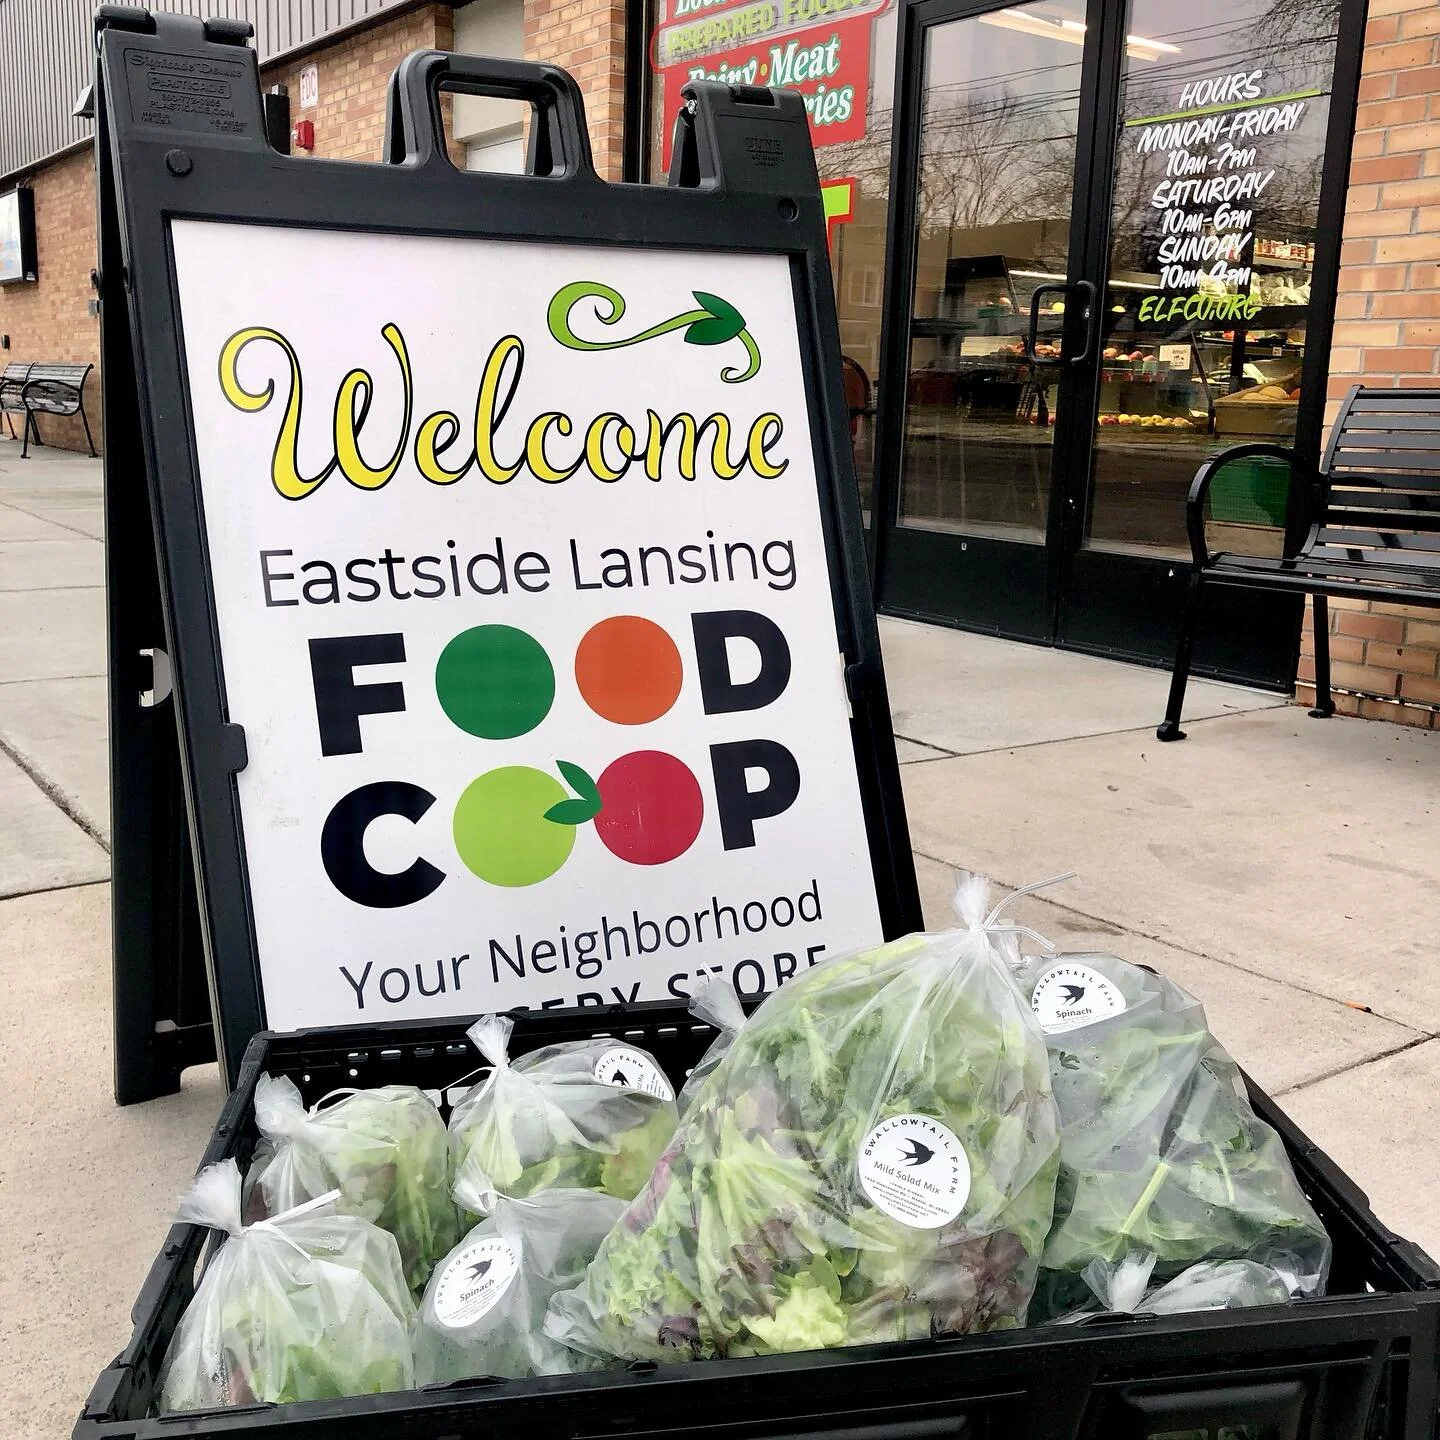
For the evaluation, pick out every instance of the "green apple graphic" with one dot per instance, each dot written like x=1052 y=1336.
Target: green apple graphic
x=516 y=825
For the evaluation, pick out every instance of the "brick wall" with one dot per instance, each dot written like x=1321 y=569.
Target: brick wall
x=50 y=320
x=587 y=38
x=1387 y=333
x=350 y=118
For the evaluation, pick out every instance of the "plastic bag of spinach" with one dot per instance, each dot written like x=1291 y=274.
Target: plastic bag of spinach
x=1160 y=1150
x=484 y=1307
x=584 y=1115
x=386 y=1150
x=716 y=1003
x=873 y=1159
x=310 y=1304
x=1125 y=1287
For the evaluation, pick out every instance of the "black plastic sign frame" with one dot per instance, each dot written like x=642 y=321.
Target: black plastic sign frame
x=183 y=144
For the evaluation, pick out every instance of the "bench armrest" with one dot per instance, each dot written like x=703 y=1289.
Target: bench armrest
x=1200 y=487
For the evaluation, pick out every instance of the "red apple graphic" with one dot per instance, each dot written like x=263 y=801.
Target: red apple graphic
x=650 y=807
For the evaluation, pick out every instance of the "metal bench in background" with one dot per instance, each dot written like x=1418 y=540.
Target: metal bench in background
x=12 y=384
x=1372 y=525
x=54 y=390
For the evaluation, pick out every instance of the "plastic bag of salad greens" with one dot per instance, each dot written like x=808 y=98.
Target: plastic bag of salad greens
x=386 y=1150
x=310 y=1304
x=1160 y=1150
x=716 y=1003
x=873 y=1159
x=484 y=1308
x=583 y=1115
x=1207 y=1285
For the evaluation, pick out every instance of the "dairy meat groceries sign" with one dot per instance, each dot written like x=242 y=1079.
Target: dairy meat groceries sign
x=819 y=47
x=524 y=606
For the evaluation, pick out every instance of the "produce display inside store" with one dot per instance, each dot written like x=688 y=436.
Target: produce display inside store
x=936 y=1137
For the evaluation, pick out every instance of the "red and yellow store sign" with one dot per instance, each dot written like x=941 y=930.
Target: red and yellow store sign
x=819 y=47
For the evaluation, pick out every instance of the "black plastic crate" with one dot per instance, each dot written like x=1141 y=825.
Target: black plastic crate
x=1358 y=1365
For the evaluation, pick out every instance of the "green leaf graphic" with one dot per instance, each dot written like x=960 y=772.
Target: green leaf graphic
x=716 y=323
x=571 y=812
x=580 y=783
x=724 y=323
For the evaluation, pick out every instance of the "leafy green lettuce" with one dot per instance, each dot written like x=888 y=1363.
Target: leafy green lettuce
x=545 y=1121
x=1161 y=1152
x=385 y=1149
x=305 y=1307
x=755 y=1234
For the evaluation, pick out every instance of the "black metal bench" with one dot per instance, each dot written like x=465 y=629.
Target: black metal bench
x=1371 y=517
x=12 y=386
x=54 y=390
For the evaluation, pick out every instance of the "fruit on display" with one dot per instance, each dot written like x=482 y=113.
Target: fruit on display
x=1147 y=422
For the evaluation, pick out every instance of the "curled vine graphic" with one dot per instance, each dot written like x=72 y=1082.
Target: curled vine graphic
x=716 y=322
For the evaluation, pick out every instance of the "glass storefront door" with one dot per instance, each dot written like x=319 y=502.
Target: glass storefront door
x=1103 y=244
x=1209 y=272
x=987 y=328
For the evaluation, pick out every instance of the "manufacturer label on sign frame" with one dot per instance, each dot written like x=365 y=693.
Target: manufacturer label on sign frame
x=541 y=660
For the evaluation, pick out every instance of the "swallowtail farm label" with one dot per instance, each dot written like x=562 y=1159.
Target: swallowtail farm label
x=524 y=608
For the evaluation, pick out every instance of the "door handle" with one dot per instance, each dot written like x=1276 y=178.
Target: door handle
x=1082 y=287
x=1091 y=320
x=1034 y=330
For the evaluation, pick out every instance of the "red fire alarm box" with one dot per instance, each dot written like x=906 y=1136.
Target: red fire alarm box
x=303 y=135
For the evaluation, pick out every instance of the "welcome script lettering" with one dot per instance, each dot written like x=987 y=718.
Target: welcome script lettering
x=550 y=444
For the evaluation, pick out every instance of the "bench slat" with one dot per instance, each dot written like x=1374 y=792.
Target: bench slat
x=52 y=397
x=1373 y=439
x=1345 y=494
x=1403 y=402
x=66 y=373
x=1422 y=576
x=1330 y=557
x=1383 y=522
x=1372 y=459
x=1372 y=421
x=1381 y=539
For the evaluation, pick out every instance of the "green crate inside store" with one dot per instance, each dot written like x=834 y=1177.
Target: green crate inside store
x=1250 y=491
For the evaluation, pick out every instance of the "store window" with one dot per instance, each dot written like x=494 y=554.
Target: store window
x=845 y=69
x=1219 y=153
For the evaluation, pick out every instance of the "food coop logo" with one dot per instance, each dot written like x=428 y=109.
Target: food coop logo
x=515 y=825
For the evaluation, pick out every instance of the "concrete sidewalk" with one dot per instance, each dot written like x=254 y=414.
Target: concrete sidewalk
x=1283 y=869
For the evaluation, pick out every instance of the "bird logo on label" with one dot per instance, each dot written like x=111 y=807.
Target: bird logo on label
x=479 y=1269
x=1072 y=994
x=919 y=1154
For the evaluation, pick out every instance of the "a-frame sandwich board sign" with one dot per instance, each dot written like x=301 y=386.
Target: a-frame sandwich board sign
x=509 y=549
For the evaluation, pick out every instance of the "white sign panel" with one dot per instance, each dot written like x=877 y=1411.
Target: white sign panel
x=309 y=87
x=524 y=608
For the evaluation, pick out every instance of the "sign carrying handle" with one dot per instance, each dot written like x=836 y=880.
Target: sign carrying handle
x=559 y=145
